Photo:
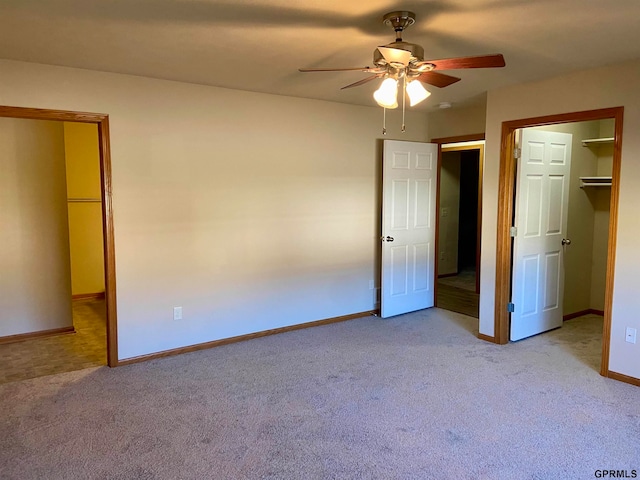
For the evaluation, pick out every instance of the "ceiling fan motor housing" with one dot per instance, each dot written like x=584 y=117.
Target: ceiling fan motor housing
x=417 y=52
x=403 y=60
x=399 y=21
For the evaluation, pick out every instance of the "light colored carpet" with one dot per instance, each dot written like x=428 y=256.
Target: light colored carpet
x=411 y=397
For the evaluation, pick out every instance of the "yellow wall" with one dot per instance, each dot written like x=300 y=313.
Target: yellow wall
x=85 y=217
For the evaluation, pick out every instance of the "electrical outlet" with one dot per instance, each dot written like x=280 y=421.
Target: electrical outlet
x=631 y=335
x=371 y=285
x=442 y=255
x=444 y=212
x=177 y=313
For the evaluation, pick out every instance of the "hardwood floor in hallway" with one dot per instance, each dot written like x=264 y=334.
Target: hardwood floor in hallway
x=457 y=293
x=457 y=299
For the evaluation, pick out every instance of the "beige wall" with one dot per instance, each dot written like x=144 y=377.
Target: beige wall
x=85 y=216
x=35 y=285
x=449 y=213
x=601 y=201
x=250 y=211
x=601 y=223
x=615 y=85
x=600 y=198
x=456 y=121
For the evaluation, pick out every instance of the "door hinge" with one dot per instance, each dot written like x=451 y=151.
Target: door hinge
x=511 y=307
x=513 y=231
x=516 y=153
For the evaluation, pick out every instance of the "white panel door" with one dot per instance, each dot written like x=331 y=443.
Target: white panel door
x=408 y=226
x=542 y=197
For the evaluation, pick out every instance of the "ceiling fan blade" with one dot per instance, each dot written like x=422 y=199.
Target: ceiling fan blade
x=482 y=61
x=354 y=69
x=395 y=55
x=437 y=79
x=363 y=81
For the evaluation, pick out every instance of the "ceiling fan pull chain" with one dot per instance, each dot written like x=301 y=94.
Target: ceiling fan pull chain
x=384 y=121
x=404 y=94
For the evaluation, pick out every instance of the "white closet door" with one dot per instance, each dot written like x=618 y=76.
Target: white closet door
x=542 y=195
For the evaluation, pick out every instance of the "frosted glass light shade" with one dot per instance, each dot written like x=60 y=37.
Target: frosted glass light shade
x=387 y=94
x=416 y=92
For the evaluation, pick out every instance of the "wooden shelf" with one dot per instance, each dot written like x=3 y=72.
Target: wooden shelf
x=597 y=141
x=83 y=200
x=595 y=182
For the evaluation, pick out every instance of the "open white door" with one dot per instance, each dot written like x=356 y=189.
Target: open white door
x=408 y=226
x=542 y=195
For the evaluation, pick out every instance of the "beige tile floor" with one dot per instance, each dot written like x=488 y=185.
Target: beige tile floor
x=61 y=353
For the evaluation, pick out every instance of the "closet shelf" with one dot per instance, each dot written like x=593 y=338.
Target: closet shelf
x=595 y=182
x=83 y=200
x=597 y=141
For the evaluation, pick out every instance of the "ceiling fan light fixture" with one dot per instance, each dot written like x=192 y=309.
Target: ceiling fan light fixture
x=416 y=92
x=387 y=94
x=402 y=64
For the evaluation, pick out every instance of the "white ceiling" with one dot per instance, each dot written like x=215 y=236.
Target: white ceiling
x=258 y=45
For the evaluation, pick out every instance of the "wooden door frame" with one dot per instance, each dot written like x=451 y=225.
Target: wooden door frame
x=477 y=137
x=102 y=121
x=506 y=192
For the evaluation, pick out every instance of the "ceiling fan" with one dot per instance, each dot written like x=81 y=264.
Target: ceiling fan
x=402 y=63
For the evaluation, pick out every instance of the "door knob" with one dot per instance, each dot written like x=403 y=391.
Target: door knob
x=386 y=239
x=566 y=241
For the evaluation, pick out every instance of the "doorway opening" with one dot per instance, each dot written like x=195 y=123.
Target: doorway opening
x=459 y=207
x=507 y=258
x=78 y=206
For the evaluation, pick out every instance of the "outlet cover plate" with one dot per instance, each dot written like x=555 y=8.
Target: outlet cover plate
x=631 y=335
